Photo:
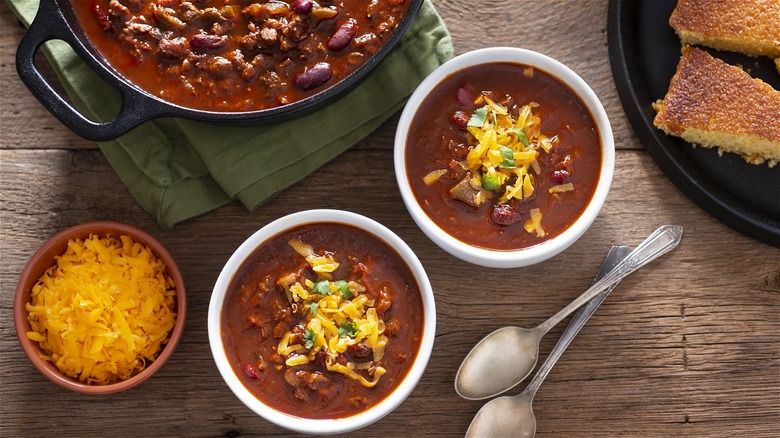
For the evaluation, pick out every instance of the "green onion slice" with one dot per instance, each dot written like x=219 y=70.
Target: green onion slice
x=509 y=157
x=308 y=338
x=489 y=182
x=348 y=329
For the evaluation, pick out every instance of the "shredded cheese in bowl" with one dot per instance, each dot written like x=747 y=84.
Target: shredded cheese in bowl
x=104 y=310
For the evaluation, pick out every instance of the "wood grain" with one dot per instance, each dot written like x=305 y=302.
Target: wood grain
x=688 y=346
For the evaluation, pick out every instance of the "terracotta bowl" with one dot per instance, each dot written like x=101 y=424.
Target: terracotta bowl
x=45 y=257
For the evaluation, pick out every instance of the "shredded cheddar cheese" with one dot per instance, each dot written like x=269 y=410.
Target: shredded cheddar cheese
x=340 y=315
x=534 y=224
x=104 y=310
x=507 y=149
x=503 y=157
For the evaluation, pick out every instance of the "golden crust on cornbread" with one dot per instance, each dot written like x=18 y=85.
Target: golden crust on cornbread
x=714 y=104
x=748 y=26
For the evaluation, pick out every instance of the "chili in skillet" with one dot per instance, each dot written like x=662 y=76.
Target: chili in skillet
x=237 y=55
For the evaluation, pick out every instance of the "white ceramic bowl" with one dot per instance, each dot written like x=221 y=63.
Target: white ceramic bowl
x=533 y=254
x=326 y=426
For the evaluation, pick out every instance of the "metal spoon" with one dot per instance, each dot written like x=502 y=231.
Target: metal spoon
x=513 y=416
x=505 y=357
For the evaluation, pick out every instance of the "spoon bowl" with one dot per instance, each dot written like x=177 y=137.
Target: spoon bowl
x=513 y=363
x=505 y=417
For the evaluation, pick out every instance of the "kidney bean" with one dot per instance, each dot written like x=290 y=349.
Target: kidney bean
x=460 y=120
x=505 y=214
x=559 y=176
x=251 y=371
x=207 y=41
x=302 y=6
x=343 y=35
x=313 y=77
x=562 y=171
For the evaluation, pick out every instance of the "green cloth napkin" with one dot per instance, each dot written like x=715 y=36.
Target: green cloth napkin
x=177 y=169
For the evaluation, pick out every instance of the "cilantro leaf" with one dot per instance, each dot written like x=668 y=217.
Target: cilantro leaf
x=344 y=289
x=348 y=329
x=313 y=307
x=509 y=157
x=478 y=118
x=309 y=337
x=321 y=287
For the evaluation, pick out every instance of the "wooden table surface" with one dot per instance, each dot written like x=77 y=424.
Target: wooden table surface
x=688 y=346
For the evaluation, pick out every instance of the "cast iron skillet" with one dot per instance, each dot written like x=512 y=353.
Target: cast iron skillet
x=644 y=52
x=55 y=20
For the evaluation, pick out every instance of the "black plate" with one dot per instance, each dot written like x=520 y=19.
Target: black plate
x=644 y=52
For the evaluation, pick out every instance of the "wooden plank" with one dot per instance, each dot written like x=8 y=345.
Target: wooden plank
x=25 y=122
x=672 y=352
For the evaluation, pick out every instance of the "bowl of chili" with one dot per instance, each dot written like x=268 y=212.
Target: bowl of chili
x=225 y=61
x=322 y=321
x=100 y=307
x=504 y=157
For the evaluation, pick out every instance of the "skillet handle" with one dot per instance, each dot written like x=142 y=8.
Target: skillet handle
x=51 y=24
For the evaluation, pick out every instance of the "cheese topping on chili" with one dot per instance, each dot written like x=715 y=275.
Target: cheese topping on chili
x=339 y=315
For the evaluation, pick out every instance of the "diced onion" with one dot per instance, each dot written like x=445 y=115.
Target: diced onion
x=568 y=187
x=301 y=248
x=434 y=176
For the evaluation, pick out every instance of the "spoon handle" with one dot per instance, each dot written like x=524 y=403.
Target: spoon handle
x=614 y=256
x=661 y=241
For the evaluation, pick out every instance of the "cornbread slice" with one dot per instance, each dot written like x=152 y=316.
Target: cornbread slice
x=748 y=26
x=717 y=105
